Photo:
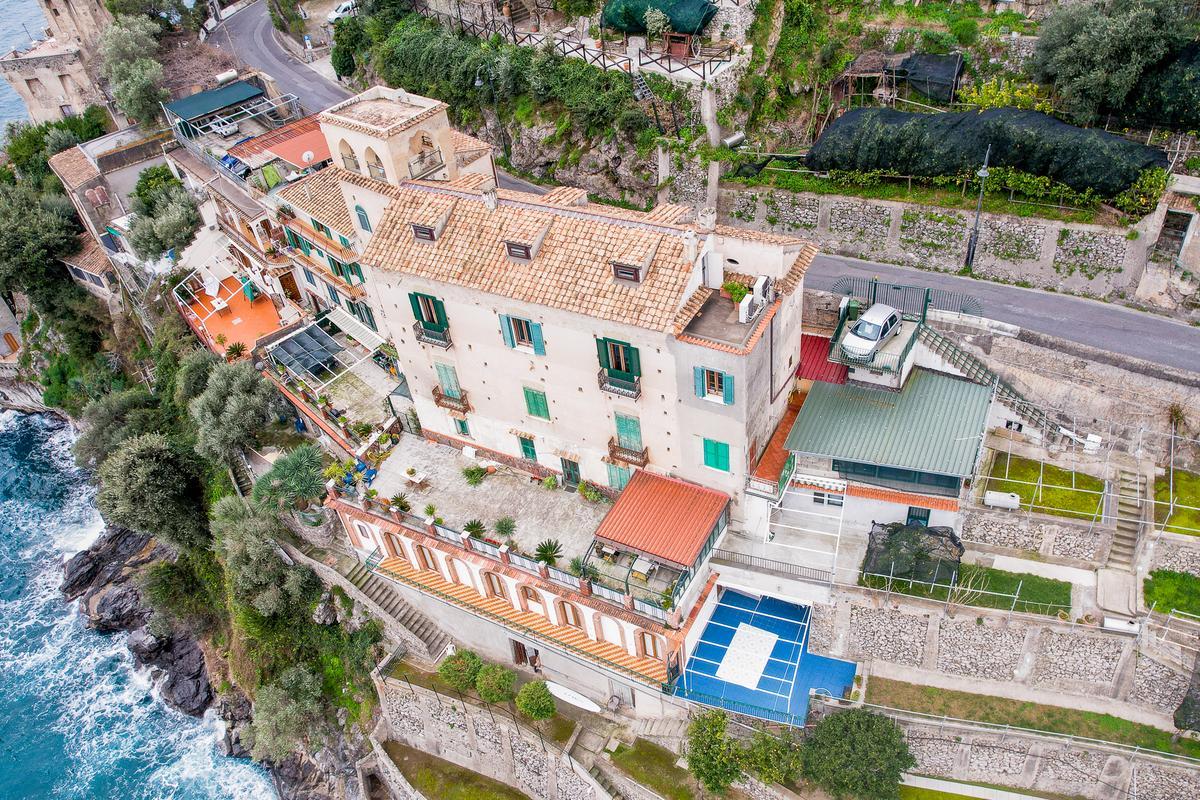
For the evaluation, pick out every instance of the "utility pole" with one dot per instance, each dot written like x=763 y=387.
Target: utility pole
x=974 y=240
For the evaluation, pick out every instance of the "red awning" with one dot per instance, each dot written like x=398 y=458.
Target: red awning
x=664 y=518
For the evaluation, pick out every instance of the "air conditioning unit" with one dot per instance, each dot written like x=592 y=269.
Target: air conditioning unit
x=469 y=452
x=762 y=288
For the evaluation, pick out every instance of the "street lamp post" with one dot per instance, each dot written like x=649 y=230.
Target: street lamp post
x=974 y=240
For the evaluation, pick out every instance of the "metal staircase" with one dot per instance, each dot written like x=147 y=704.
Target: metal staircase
x=641 y=89
x=975 y=370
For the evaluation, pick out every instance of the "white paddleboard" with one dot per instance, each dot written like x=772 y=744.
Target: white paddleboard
x=573 y=697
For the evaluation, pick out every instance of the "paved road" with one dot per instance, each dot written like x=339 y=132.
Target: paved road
x=249 y=36
x=1090 y=322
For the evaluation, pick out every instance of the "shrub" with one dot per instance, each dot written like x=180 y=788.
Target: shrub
x=550 y=482
x=736 y=291
x=582 y=568
x=288 y=714
x=505 y=526
x=712 y=754
x=857 y=754
x=771 y=759
x=495 y=683
x=535 y=701
x=475 y=528
x=460 y=669
x=590 y=493
x=474 y=475
x=548 y=551
x=965 y=30
x=293 y=481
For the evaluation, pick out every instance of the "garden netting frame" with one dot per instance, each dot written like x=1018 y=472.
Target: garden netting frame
x=686 y=16
x=913 y=552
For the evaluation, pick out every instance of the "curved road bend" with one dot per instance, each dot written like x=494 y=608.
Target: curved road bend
x=250 y=37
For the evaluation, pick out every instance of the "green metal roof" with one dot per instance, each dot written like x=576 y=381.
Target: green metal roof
x=934 y=424
x=202 y=103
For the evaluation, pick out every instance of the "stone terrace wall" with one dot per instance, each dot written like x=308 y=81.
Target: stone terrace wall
x=983 y=646
x=1053 y=540
x=1177 y=552
x=1086 y=259
x=489 y=744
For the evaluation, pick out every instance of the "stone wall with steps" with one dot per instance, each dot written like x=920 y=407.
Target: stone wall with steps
x=1057 y=540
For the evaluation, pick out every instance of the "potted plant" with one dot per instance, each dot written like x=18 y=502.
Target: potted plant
x=431 y=512
x=235 y=351
x=400 y=504
x=734 y=291
x=550 y=482
x=323 y=400
x=369 y=498
x=548 y=551
x=220 y=339
x=410 y=471
x=475 y=528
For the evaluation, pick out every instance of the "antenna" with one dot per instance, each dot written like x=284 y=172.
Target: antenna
x=308 y=156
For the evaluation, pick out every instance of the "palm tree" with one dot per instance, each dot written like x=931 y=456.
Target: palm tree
x=475 y=528
x=548 y=551
x=295 y=480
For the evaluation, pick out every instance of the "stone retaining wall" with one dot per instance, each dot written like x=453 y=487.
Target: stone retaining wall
x=1178 y=553
x=488 y=743
x=1055 y=540
x=1094 y=260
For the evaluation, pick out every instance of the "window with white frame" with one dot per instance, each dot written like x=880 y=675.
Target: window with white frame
x=828 y=499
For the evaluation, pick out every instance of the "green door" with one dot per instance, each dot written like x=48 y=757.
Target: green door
x=917 y=517
x=570 y=470
x=629 y=432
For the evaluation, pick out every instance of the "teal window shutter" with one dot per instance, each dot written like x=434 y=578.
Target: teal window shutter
x=536 y=403
x=440 y=308
x=629 y=432
x=333 y=295
x=635 y=362
x=539 y=345
x=727 y=384
x=368 y=316
x=528 y=449
x=448 y=379
x=305 y=246
x=698 y=380
x=414 y=299
x=618 y=477
x=602 y=353
x=716 y=455
x=357 y=270
x=363 y=221
x=308 y=276
x=506 y=331
x=462 y=427
x=345 y=242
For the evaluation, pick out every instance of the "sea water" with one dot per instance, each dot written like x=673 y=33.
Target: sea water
x=22 y=19
x=77 y=719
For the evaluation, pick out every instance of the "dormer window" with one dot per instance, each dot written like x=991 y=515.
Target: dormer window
x=627 y=272
x=424 y=233
x=522 y=252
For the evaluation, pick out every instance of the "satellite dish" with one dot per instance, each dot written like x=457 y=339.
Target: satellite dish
x=307 y=156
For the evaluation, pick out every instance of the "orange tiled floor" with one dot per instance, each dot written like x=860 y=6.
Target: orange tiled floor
x=242 y=321
x=646 y=669
x=776 y=455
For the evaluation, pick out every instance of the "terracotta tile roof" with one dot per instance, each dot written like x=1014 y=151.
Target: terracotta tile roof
x=795 y=274
x=740 y=277
x=775 y=455
x=691 y=308
x=571 y=269
x=669 y=213
x=468 y=149
x=814 y=361
x=664 y=518
x=566 y=196
x=91 y=257
x=319 y=195
x=73 y=167
x=902 y=498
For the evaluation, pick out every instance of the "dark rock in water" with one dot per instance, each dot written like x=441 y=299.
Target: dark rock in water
x=235 y=709
x=185 y=683
x=115 y=608
x=102 y=563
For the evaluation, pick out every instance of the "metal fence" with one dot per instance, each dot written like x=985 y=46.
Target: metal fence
x=958 y=593
x=524 y=562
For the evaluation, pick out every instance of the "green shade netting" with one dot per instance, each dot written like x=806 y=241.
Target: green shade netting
x=686 y=16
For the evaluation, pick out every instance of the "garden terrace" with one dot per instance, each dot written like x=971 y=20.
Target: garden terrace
x=224 y=308
x=1045 y=488
x=1177 y=502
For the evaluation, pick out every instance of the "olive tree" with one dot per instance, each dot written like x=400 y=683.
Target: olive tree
x=289 y=715
x=113 y=418
x=713 y=756
x=857 y=754
x=153 y=486
x=248 y=542
x=236 y=403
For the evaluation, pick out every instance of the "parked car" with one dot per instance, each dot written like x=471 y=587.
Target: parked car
x=347 y=8
x=871 y=332
x=223 y=127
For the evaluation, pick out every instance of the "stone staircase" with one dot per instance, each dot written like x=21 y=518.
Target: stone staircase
x=671 y=730
x=600 y=778
x=242 y=478
x=380 y=592
x=1131 y=492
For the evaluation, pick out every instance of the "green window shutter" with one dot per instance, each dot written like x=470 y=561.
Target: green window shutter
x=333 y=295
x=440 y=309
x=716 y=455
x=462 y=427
x=357 y=270
x=528 y=449
x=345 y=242
x=618 y=477
x=369 y=317
x=539 y=344
x=698 y=380
x=602 y=352
x=448 y=379
x=629 y=432
x=506 y=331
x=316 y=225
x=414 y=299
x=305 y=246
x=635 y=362
x=536 y=403
x=336 y=266
x=727 y=385
x=291 y=237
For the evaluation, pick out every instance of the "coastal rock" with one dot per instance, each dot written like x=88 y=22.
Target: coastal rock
x=326 y=611
x=103 y=562
x=234 y=708
x=186 y=686
x=115 y=608
x=328 y=773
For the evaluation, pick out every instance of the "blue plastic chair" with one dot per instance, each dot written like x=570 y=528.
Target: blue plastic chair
x=369 y=476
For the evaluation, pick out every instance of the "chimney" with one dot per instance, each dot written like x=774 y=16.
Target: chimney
x=689 y=246
x=489 y=194
x=706 y=219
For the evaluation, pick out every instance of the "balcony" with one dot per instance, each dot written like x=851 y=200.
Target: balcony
x=355 y=290
x=635 y=458
x=239 y=236
x=444 y=400
x=619 y=385
x=426 y=163
x=430 y=336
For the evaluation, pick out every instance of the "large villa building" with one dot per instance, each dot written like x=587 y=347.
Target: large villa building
x=594 y=442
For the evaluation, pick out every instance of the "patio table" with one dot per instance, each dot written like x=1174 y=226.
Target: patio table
x=642 y=568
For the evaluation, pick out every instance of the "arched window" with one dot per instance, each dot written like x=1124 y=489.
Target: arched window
x=648 y=644
x=568 y=615
x=397 y=547
x=375 y=166
x=364 y=222
x=531 y=598
x=493 y=584
x=425 y=559
x=349 y=160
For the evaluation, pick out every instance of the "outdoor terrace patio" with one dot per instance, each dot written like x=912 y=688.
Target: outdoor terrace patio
x=631 y=573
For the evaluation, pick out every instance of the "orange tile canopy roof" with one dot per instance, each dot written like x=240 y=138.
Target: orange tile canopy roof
x=91 y=257
x=664 y=518
x=73 y=167
x=279 y=138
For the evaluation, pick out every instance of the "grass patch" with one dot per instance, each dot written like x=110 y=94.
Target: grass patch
x=654 y=766
x=1037 y=595
x=558 y=728
x=1187 y=493
x=919 y=793
x=1167 y=590
x=434 y=777
x=1055 y=495
x=1002 y=711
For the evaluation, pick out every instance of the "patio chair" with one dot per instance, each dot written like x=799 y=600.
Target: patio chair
x=369 y=476
x=360 y=467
